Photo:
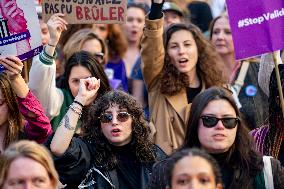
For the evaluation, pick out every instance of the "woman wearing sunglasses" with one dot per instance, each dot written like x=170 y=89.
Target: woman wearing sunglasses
x=215 y=126
x=115 y=150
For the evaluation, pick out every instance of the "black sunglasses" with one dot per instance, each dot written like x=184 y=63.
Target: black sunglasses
x=121 y=116
x=228 y=122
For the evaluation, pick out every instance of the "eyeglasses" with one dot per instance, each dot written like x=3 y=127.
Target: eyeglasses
x=121 y=116
x=228 y=122
x=99 y=56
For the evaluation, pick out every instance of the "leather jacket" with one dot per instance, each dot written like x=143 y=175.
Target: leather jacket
x=76 y=168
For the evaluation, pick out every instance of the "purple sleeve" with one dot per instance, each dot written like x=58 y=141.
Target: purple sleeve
x=259 y=135
x=37 y=125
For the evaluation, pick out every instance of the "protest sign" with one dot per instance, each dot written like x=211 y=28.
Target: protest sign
x=86 y=11
x=19 y=29
x=257 y=26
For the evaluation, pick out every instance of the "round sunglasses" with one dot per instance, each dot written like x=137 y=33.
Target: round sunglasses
x=228 y=122
x=121 y=116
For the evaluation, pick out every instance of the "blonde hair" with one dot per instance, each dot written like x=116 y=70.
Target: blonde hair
x=77 y=40
x=28 y=149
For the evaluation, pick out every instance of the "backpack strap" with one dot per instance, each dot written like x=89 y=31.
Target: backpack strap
x=241 y=77
x=267 y=170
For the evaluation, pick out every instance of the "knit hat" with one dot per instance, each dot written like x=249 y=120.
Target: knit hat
x=170 y=6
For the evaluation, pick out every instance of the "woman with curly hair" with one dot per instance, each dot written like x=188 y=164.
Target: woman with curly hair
x=115 y=149
x=175 y=72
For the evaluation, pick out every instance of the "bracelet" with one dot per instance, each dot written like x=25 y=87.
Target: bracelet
x=79 y=103
x=73 y=108
x=51 y=45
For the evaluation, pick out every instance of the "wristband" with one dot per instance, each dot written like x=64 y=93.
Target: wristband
x=51 y=45
x=79 y=103
x=73 y=108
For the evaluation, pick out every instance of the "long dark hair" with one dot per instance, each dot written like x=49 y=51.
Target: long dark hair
x=241 y=154
x=175 y=157
x=141 y=143
x=207 y=67
x=87 y=60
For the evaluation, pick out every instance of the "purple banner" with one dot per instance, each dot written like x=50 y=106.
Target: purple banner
x=31 y=53
x=14 y=38
x=257 y=26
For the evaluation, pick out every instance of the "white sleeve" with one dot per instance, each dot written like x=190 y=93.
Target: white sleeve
x=42 y=84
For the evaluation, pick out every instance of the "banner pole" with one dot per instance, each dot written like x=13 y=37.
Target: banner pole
x=278 y=81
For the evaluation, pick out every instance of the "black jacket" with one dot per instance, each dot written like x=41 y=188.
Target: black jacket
x=77 y=165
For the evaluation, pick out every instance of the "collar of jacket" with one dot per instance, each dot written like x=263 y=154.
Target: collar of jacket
x=179 y=102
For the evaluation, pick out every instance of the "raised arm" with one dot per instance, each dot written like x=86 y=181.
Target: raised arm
x=152 y=48
x=38 y=126
x=43 y=70
x=87 y=91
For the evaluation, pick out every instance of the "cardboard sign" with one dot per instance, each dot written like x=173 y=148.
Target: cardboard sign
x=20 y=33
x=86 y=11
x=257 y=26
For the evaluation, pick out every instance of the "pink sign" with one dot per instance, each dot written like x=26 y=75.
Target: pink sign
x=19 y=29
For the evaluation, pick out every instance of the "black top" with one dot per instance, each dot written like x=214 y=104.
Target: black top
x=226 y=170
x=128 y=167
x=191 y=93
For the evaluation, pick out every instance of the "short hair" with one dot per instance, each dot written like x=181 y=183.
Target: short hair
x=28 y=149
x=193 y=152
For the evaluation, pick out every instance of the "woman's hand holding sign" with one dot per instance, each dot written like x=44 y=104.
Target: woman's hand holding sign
x=13 y=66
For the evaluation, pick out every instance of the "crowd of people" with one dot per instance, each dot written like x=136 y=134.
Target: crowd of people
x=159 y=102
